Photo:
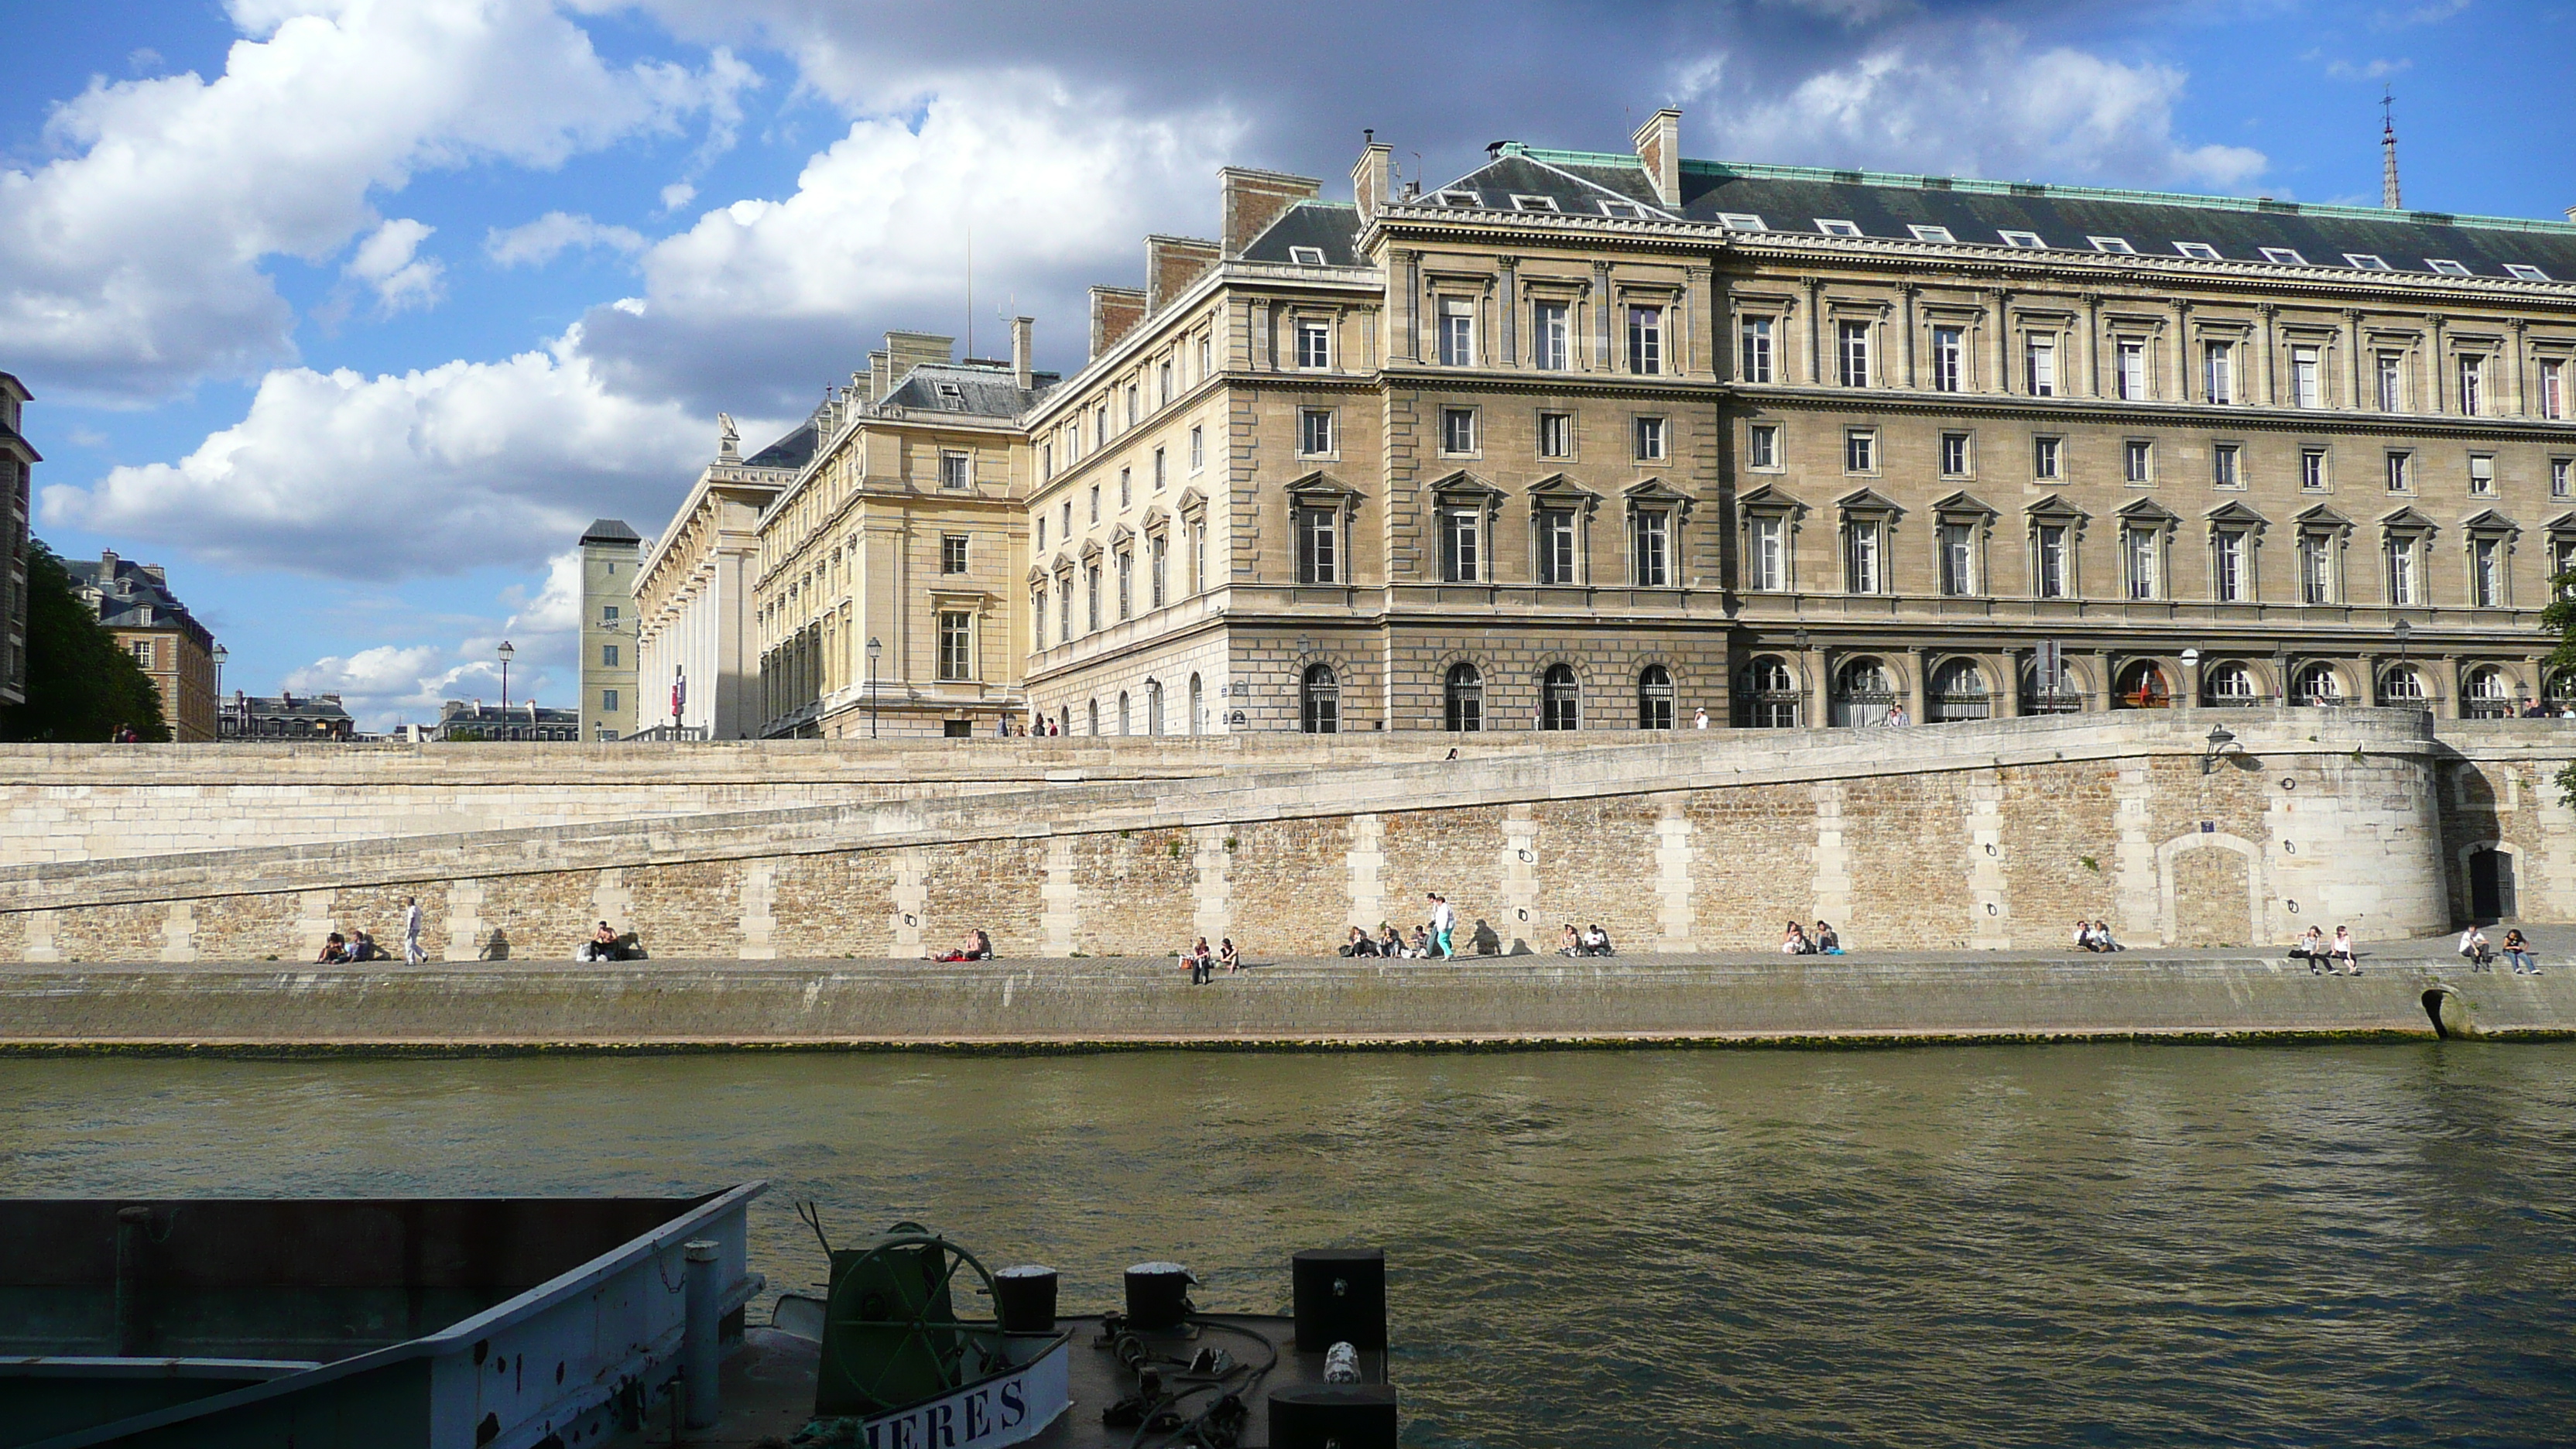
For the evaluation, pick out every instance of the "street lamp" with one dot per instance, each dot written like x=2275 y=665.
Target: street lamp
x=874 y=648
x=506 y=654
x=2220 y=740
x=220 y=655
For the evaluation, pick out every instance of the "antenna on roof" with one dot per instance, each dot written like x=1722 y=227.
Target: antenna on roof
x=2388 y=149
x=970 y=286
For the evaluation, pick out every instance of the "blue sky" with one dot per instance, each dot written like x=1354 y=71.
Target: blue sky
x=352 y=313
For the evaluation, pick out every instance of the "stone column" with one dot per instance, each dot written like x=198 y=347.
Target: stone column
x=1409 y=275
x=1915 y=691
x=2092 y=344
x=2103 y=684
x=1999 y=315
x=2269 y=334
x=2446 y=688
x=2437 y=387
x=1815 y=330
x=1604 y=355
x=1509 y=306
x=2011 y=695
x=2182 y=352
x=2518 y=358
x=1520 y=867
x=1817 y=665
x=1906 y=293
x=1676 y=914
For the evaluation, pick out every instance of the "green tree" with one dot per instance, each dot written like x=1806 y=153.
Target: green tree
x=80 y=685
x=2560 y=619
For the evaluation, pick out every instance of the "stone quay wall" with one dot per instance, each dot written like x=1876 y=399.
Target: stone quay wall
x=1966 y=837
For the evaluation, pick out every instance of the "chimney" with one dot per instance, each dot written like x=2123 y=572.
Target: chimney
x=1022 y=330
x=153 y=572
x=1171 y=264
x=878 y=383
x=2571 y=216
x=106 y=564
x=1251 y=200
x=1115 y=311
x=908 y=350
x=1659 y=150
x=1369 y=176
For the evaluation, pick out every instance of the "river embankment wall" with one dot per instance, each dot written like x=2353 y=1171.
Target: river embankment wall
x=1983 y=836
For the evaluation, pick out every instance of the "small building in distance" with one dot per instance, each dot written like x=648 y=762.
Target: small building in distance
x=18 y=458
x=610 y=554
x=135 y=603
x=460 y=720
x=287 y=717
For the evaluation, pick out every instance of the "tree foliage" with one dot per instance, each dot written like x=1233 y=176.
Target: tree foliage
x=80 y=686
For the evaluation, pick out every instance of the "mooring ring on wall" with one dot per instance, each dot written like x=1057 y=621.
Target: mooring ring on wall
x=1525 y=855
x=2288 y=784
x=2289 y=847
x=1990 y=847
x=910 y=921
x=2291 y=906
x=1524 y=913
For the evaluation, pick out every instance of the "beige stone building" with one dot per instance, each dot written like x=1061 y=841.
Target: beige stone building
x=134 y=602
x=610 y=554
x=1599 y=441
x=889 y=566
x=697 y=651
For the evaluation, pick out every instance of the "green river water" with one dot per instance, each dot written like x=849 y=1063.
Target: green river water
x=1970 y=1246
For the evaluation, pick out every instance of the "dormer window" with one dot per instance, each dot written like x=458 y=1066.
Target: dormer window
x=2028 y=240
x=1306 y=256
x=951 y=397
x=1741 y=221
x=2118 y=244
x=2447 y=267
x=1620 y=208
x=1534 y=203
x=1932 y=233
x=2284 y=256
x=2526 y=273
x=1460 y=198
x=2367 y=261
x=1833 y=227
x=2198 y=251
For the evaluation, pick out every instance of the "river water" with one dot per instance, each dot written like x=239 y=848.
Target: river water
x=1974 y=1246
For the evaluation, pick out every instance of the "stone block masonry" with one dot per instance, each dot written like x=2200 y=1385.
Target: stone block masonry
x=1967 y=837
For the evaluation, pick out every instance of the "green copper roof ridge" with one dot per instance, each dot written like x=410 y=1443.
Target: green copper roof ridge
x=1980 y=187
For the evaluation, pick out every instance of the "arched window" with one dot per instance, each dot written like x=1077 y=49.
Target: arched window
x=1153 y=706
x=2062 y=695
x=2403 y=688
x=2317 y=684
x=1863 y=693
x=1064 y=719
x=1320 y=701
x=1560 y=699
x=2562 y=692
x=1654 y=698
x=1196 y=723
x=2489 y=694
x=1122 y=712
x=1463 y=699
x=2229 y=685
x=1093 y=709
x=2143 y=686
x=1771 y=697
x=1959 y=692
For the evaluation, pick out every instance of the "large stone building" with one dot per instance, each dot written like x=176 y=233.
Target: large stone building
x=287 y=717
x=18 y=460
x=889 y=566
x=1596 y=441
x=134 y=602
x=610 y=551
x=697 y=647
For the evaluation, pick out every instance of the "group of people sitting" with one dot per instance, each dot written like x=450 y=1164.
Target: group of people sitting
x=2481 y=955
x=1795 y=941
x=1389 y=942
x=976 y=947
x=2094 y=936
x=357 y=945
x=1203 y=963
x=1591 y=941
x=2324 y=957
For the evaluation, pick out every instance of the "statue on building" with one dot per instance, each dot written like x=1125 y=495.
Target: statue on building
x=728 y=440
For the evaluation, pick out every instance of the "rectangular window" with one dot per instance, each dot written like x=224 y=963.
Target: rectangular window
x=1462 y=538
x=2316 y=568
x=1555 y=435
x=2227 y=567
x=1551 y=336
x=1314 y=431
x=2562 y=477
x=2312 y=470
x=1650 y=439
x=1207 y=355
x=1741 y=221
x=1042 y=525
x=956 y=645
x=1457 y=430
x=1064 y=610
x=1861 y=572
x=1860 y=451
x=1319 y=555
x=1134 y=402
x=2486 y=572
x=1163 y=385
x=1095 y=504
x=1159 y=470
x=952 y=553
x=1314 y=343
x=2401 y=472
x=1652 y=546
x=2055 y=572
x=1932 y=233
x=2129 y=370
x=1457 y=332
x=1198 y=448
x=1646 y=340
x=1762 y=445
x=1767 y=566
x=2481 y=475
x=2040 y=366
x=2219 y=368
x=608 y=700
x=1305 y=256
x=2225 y=466
x=1949 y=360
x=1126 y=584
x=1852 y=354
x=1755 y=347
x=1556 y=558
x=1091 y=596
x=2307 y=379
x=1158 y=552
x=2047 y=457
x=2138 y=461
x=1100 y=426
x=608 y=612
x=2473 y=385
x=1954 y=455
x=2525 y=272
x=607 y=655
x=1958 y=559
x=1832 y=226
x=2141 y=550
x=1126 y=488
x=2553 y=389
x=956 y=470
x=2562 y=563
x=2401 y=571
x=2392 y=382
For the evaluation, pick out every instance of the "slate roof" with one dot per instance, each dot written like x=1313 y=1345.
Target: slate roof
x=1796 y=199
x=976 y=391
x=129 y=596
x=793 y=451
x=1329 y=227
x=610 y=530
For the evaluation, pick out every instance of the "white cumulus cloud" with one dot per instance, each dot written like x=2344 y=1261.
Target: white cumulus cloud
x=538 y=242
x=387 y=262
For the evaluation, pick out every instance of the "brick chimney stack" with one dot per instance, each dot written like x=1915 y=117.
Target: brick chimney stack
x=1659 y=150
x=1371 y=176
x=1022 y=334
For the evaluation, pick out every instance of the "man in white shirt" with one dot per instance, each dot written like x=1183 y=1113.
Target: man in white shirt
x=411 y=933
x=1699 y=720
x=1443 y=922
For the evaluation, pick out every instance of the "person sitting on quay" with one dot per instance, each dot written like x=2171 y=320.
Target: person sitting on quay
x=1571 y=942
x=2517 y=954
x=1389 y=943
x=2084 y=935
x=1200 y=961
x=2311 y=948
x=1420 y=950
x=335 y=951
x=2474 y=947
x=2102 y=937
x=1794 y=942
x=1360 y=943
x=2343 y=950
x=363 y=947
x=1825 y=941
x=976 y=947
x=1596 y=941
x=604 y=945
x=1228 y=957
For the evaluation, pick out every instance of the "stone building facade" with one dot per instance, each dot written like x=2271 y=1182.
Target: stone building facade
x=696 y=645
x=135 y=604
x=610 y=553
x=1601 y=441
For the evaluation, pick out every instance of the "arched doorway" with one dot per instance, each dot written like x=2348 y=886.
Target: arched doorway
x=1654 y=698
x=1122 y=713
x=2143 y=685
x=1560 y=699
x=1197 y=723
x=1093 y=709
x=1462 y=699
x=2491 y=886
x=1959 y=692
x=1153 y=706
x=1864 y=691
x=1770 y=694
x=1320 y=701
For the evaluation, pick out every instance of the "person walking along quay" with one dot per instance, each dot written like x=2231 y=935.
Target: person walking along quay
x=411 y=932
x=1444 y=923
